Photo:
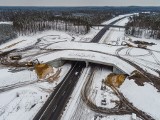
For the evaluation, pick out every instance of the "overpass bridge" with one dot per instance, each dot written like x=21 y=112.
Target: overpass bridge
x=114 y=26
x=87 y=52
x=89 y=56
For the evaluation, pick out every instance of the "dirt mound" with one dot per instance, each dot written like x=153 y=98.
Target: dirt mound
x=43 y=70
x=115 y=80
x=144 y=43
x=138 y=77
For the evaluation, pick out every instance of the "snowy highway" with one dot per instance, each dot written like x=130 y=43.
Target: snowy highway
x=87 y=60
x=57 y=95
x=54 y=106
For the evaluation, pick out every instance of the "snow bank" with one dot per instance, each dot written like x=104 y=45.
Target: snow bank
x=145 y=98
x=10 y=78
x=21 y=103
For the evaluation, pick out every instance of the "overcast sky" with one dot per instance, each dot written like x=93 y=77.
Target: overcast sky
x=79 y=2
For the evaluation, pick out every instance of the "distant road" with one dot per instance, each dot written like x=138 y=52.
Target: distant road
x=97 y=38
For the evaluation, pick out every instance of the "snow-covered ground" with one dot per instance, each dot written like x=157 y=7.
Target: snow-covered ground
x=81 y=111
x=98 y=93
x=115 y=36
x=148 y=60
x=153 y=47
x=12 y=78
x=24 y=102
x=25 y=41
x=145 y=98
x=21 y=103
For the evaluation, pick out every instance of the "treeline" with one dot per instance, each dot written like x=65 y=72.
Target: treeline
x=144 y=25
x=32 y=22
x=6 y=33
x=96 y=16
x=77 y=20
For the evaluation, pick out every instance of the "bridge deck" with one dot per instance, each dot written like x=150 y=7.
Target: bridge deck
x=115 y=26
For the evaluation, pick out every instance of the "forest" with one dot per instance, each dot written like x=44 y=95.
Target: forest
x=6 y=33
x=145 y=25
x=77 y=21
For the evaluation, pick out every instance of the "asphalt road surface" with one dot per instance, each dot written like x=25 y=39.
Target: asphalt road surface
x=55 y=105
x=97 y=38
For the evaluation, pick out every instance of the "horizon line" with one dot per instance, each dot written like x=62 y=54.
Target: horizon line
x=78 y=6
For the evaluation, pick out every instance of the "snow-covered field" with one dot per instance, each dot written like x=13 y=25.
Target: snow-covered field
x=145 y=98
x=23 y=101
x=14 y=78
x=25 y=41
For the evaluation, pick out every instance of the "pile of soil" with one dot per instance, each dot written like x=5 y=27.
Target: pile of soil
x=144 y=43
x=138 y=77
x=115 y=80
x=43 y=70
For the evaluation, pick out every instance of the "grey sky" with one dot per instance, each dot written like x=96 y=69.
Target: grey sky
x=79 y=2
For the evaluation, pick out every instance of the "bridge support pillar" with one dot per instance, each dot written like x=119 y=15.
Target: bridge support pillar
x=87 y=63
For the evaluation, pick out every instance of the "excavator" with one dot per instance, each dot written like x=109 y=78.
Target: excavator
x=32 y=63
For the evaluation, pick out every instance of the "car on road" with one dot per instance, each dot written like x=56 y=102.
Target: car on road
x=76 y=73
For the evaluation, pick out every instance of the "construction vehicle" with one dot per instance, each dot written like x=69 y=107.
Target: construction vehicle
x=16 y=57
x=103 y=102
x=32 y=63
